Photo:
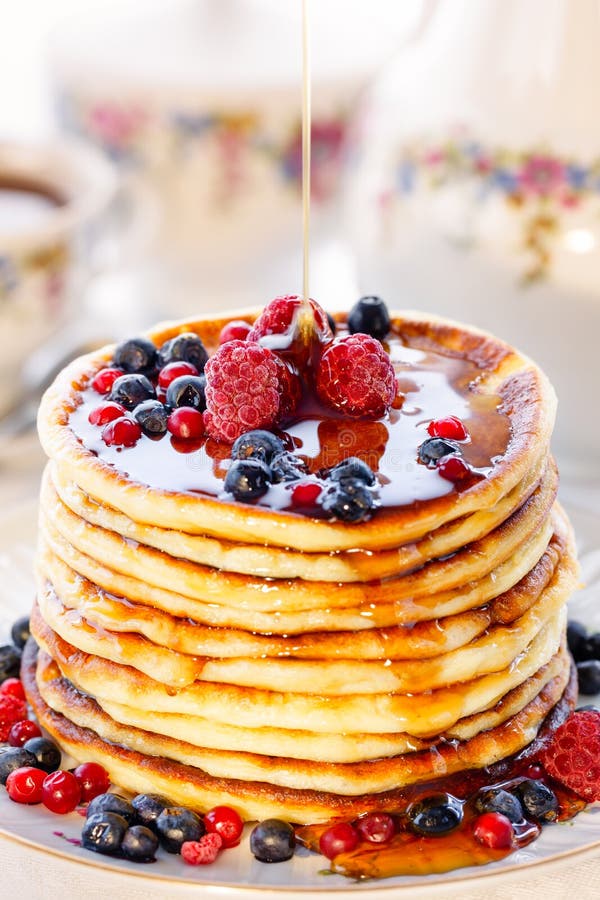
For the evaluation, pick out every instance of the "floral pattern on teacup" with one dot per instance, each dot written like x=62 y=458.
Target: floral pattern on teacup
x=540 y=186
x=124 y=131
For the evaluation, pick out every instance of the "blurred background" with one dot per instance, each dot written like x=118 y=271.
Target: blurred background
x=150 y=168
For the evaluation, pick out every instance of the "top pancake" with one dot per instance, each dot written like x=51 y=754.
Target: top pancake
x=526 y=396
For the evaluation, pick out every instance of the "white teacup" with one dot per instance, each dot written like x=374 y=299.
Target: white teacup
x=52 y=199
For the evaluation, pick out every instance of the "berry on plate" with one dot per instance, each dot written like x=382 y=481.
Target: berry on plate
x=12 y=710
x=259 y=444
x=46 y=753
x=20 y=633
x=25 y=785
x=175 y=370
x=437 y=814
x=176 y=825
x=113 y=803
x=106 y=412
x=242 y=390
x=226 y=822
x=23 y=731
x=93 y=780
x=453 y=468
x=152 y=417
x=61 y=792
x=139 y=844
x=186 y=347
x=572 y=757
x=186 y=423
x=248 y=479
x=12 y=687
x=135 y=355
x=272 y=841
x=203 y=851
x=377 y=828
x=494 y=830
x=355 y=375
x=10 y=662
x=12 y=758
x=306 y=493
x=340 y=838
x=104 y=833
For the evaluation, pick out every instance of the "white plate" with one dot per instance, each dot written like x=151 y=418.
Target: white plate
x=236 y=872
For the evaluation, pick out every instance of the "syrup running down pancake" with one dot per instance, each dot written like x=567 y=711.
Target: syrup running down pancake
x=278 y=658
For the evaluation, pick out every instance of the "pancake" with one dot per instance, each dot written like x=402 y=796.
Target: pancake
x=290 y=664
x=526 y=396
x=420 y=715
x=268 y=562
x=191 y=786
x=421 y=640
x=490 y=653
x=226 y=588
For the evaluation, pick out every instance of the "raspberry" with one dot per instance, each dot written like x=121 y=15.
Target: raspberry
x=573 y=755
x=12 y=710
x=278 y=316
x=356 y=376
x=290 y=389
x=242 y=390
x=202 y=852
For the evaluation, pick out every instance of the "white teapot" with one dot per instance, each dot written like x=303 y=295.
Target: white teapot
x=475 y=189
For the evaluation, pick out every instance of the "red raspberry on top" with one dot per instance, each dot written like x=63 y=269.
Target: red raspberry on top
x=356 y=376
x=242 y=390
x=12 y=710
x=573 y=755
x=277 y=318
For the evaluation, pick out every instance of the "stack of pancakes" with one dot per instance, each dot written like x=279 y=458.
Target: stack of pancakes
x=217 y=652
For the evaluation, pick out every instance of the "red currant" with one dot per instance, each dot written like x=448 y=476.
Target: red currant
x=494 y=830
x=225 y=822
x=12 y=687
x=93 y=780
x=186 y=423
x=104 y=380
x=61 y=792
x=106 y=412
x=234 y=331
x=123 y=432
x=22 y=731
x=534 y=771
x=376 y=827
x=450 y=427
x=25 y=785
x=306 y=493
x=172 y=371
x=340 y=838
x=453 y=468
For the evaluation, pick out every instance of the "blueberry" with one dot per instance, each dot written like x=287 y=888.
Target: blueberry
x=332 y=323
x=20 y=632
x=148 y=808
x=369 y=316
x=287 y=466
x=434 y=449
x=591 y=649
x=353 y=467
x=12 y=758
x=104 y=832
x=500 y=801
x=131 y=390
x=111 y=803
x=152 y=417
x=577 y=636
x=139 y=844
x=272 y=841
x=10 y=662
x=187 y=390
x=185 y=347
x=257 y=444
x=349 y=500
x=135 y=355
x=47 y=754
x=437 y=814
x=176 y=825
x=538 y=801
x=248 y=479
x=588 y=675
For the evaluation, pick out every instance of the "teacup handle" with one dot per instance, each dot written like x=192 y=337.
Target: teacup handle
x=121 y=236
